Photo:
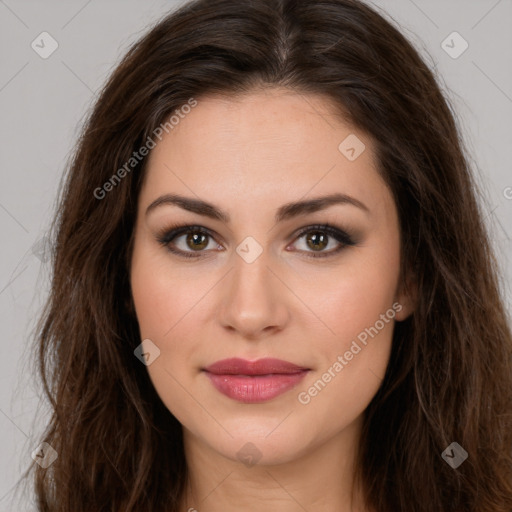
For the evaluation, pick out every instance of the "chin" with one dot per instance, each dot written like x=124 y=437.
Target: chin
x=261 y=444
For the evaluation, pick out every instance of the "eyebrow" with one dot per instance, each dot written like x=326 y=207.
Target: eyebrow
x=285 y=212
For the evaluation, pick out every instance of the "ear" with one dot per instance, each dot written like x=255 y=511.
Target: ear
x=406 y=297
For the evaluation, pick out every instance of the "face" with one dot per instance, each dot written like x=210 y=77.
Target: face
x=266 y=268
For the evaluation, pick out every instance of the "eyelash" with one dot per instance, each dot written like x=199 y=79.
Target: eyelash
x=166 y=236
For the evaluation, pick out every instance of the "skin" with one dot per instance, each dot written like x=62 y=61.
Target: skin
x=249 y=155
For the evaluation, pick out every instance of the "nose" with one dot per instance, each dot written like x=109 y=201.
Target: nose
x=254 y=300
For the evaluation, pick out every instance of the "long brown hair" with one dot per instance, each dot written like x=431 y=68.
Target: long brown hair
x=450 y=374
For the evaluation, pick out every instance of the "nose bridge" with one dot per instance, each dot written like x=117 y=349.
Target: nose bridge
x=252 y=301
x=250 y=277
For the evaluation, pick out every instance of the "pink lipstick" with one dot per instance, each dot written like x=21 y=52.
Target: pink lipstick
x=254 y=381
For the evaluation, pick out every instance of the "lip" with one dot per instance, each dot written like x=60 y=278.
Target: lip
x=266 y=366
x=254 y=381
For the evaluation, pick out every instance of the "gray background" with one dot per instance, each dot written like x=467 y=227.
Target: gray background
x=43 y=102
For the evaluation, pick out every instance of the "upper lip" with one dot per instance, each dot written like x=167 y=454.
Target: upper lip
x=237 y=366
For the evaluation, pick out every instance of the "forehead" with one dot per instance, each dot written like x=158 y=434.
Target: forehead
x=267 y=119
x=271 y=145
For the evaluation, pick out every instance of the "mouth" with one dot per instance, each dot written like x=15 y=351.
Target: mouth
x=254 y=381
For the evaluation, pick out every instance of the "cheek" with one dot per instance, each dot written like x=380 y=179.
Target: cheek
x=171 y=307
x=161 y=295
x=362 y=289
x=164 y=305
x=360 y=312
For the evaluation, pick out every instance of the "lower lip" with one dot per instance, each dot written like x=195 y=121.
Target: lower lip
x=255 y=389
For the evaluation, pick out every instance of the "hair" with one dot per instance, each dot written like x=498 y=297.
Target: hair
x=450 y=372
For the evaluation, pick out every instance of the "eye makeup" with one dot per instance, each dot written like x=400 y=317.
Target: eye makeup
x=167 y=236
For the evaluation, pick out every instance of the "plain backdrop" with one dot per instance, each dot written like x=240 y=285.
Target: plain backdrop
x=43 y=103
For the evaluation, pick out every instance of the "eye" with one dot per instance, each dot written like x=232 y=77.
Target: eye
x=196 y=239
x=318 y=237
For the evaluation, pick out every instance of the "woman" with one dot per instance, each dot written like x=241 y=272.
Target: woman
x=272 y=284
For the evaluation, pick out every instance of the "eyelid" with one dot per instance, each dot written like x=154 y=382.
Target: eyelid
x=333 y=231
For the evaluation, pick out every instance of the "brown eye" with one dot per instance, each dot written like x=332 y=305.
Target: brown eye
x=186 y=240
x=197 y=241
x=194 y=245
x=317 y=240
